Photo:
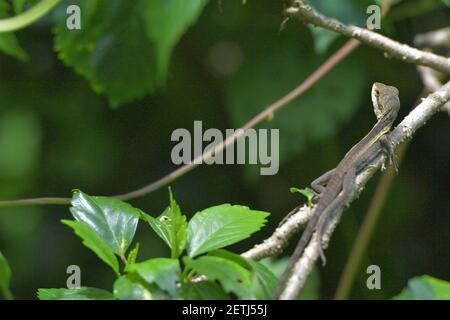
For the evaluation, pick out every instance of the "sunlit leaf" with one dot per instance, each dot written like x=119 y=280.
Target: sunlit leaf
x=94 y=242
x=232 y=277
x=221 y=226
x=111 y=219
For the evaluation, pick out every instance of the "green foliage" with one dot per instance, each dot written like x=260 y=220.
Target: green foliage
x=136 y=37
x=446 y=2
x=112 y=220
x=94 y=242
x=203 y=290
x=311 y=290
x=233 y=277
x=425 y=288
x=221 y=226
x=307 y=192
x=162 y=271
x=130 y=287
x=8 y=41
x=5 y=277
x=83 y=293
x=107 y=227
x=171 y=226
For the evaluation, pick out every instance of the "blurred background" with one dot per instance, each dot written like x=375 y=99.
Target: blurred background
x=57 y=134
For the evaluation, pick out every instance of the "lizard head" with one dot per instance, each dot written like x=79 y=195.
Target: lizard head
x=385 y=100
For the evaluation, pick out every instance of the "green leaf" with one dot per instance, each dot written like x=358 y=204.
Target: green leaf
x=165 y=22
x=94 y=242
x=135 y=37
x=221 y=226
x=129 y=288
x=311 y=290
x=8 y=41
x=5 y=278
x=446 y=2
x=171 y=226
x=112 y=220
x=232 y=276
x=83 y=293
x=425 y=288
x=203 y=290
x=265 y=283
x=307 y=192
x=133 y=254
x=263 y=280
x=162 y=271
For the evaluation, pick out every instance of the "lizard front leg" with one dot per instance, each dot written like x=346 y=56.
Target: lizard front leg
x=319 y=184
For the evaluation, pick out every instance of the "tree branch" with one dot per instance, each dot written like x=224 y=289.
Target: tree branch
x=275 y=243
x=307 y=14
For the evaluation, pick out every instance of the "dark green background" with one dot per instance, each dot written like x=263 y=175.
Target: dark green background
x=56 y=134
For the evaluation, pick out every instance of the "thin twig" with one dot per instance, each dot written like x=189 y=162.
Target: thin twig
x=268 y=112
x=307 y=14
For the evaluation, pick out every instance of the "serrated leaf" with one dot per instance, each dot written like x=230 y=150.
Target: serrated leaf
x=94 y=242
x=128 y=288
x=5 y=277
x=8 y=41
x=221 y=226
x=111 y=219
x=425 y=288
x=232 y=277
x=161 y=271
x=203 y=290
x=171 y=226
x=83 y=293
x=123 y=48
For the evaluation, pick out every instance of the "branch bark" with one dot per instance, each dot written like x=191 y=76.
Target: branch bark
x=306 y=14
x=277 y=241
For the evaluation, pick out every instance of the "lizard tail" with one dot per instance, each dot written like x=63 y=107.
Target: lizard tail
x=301 y=245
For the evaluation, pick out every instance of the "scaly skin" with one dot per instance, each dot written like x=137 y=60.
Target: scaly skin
x=386 y=104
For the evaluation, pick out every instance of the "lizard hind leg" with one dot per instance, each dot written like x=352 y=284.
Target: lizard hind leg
x=319 y=184
x=335 y=208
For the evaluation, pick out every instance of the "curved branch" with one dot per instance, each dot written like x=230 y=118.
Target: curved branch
x=267 y=113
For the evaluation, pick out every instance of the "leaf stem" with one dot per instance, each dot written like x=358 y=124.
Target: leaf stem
x=25 y=19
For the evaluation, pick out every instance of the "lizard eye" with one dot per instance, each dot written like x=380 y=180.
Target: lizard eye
x=377 y=93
